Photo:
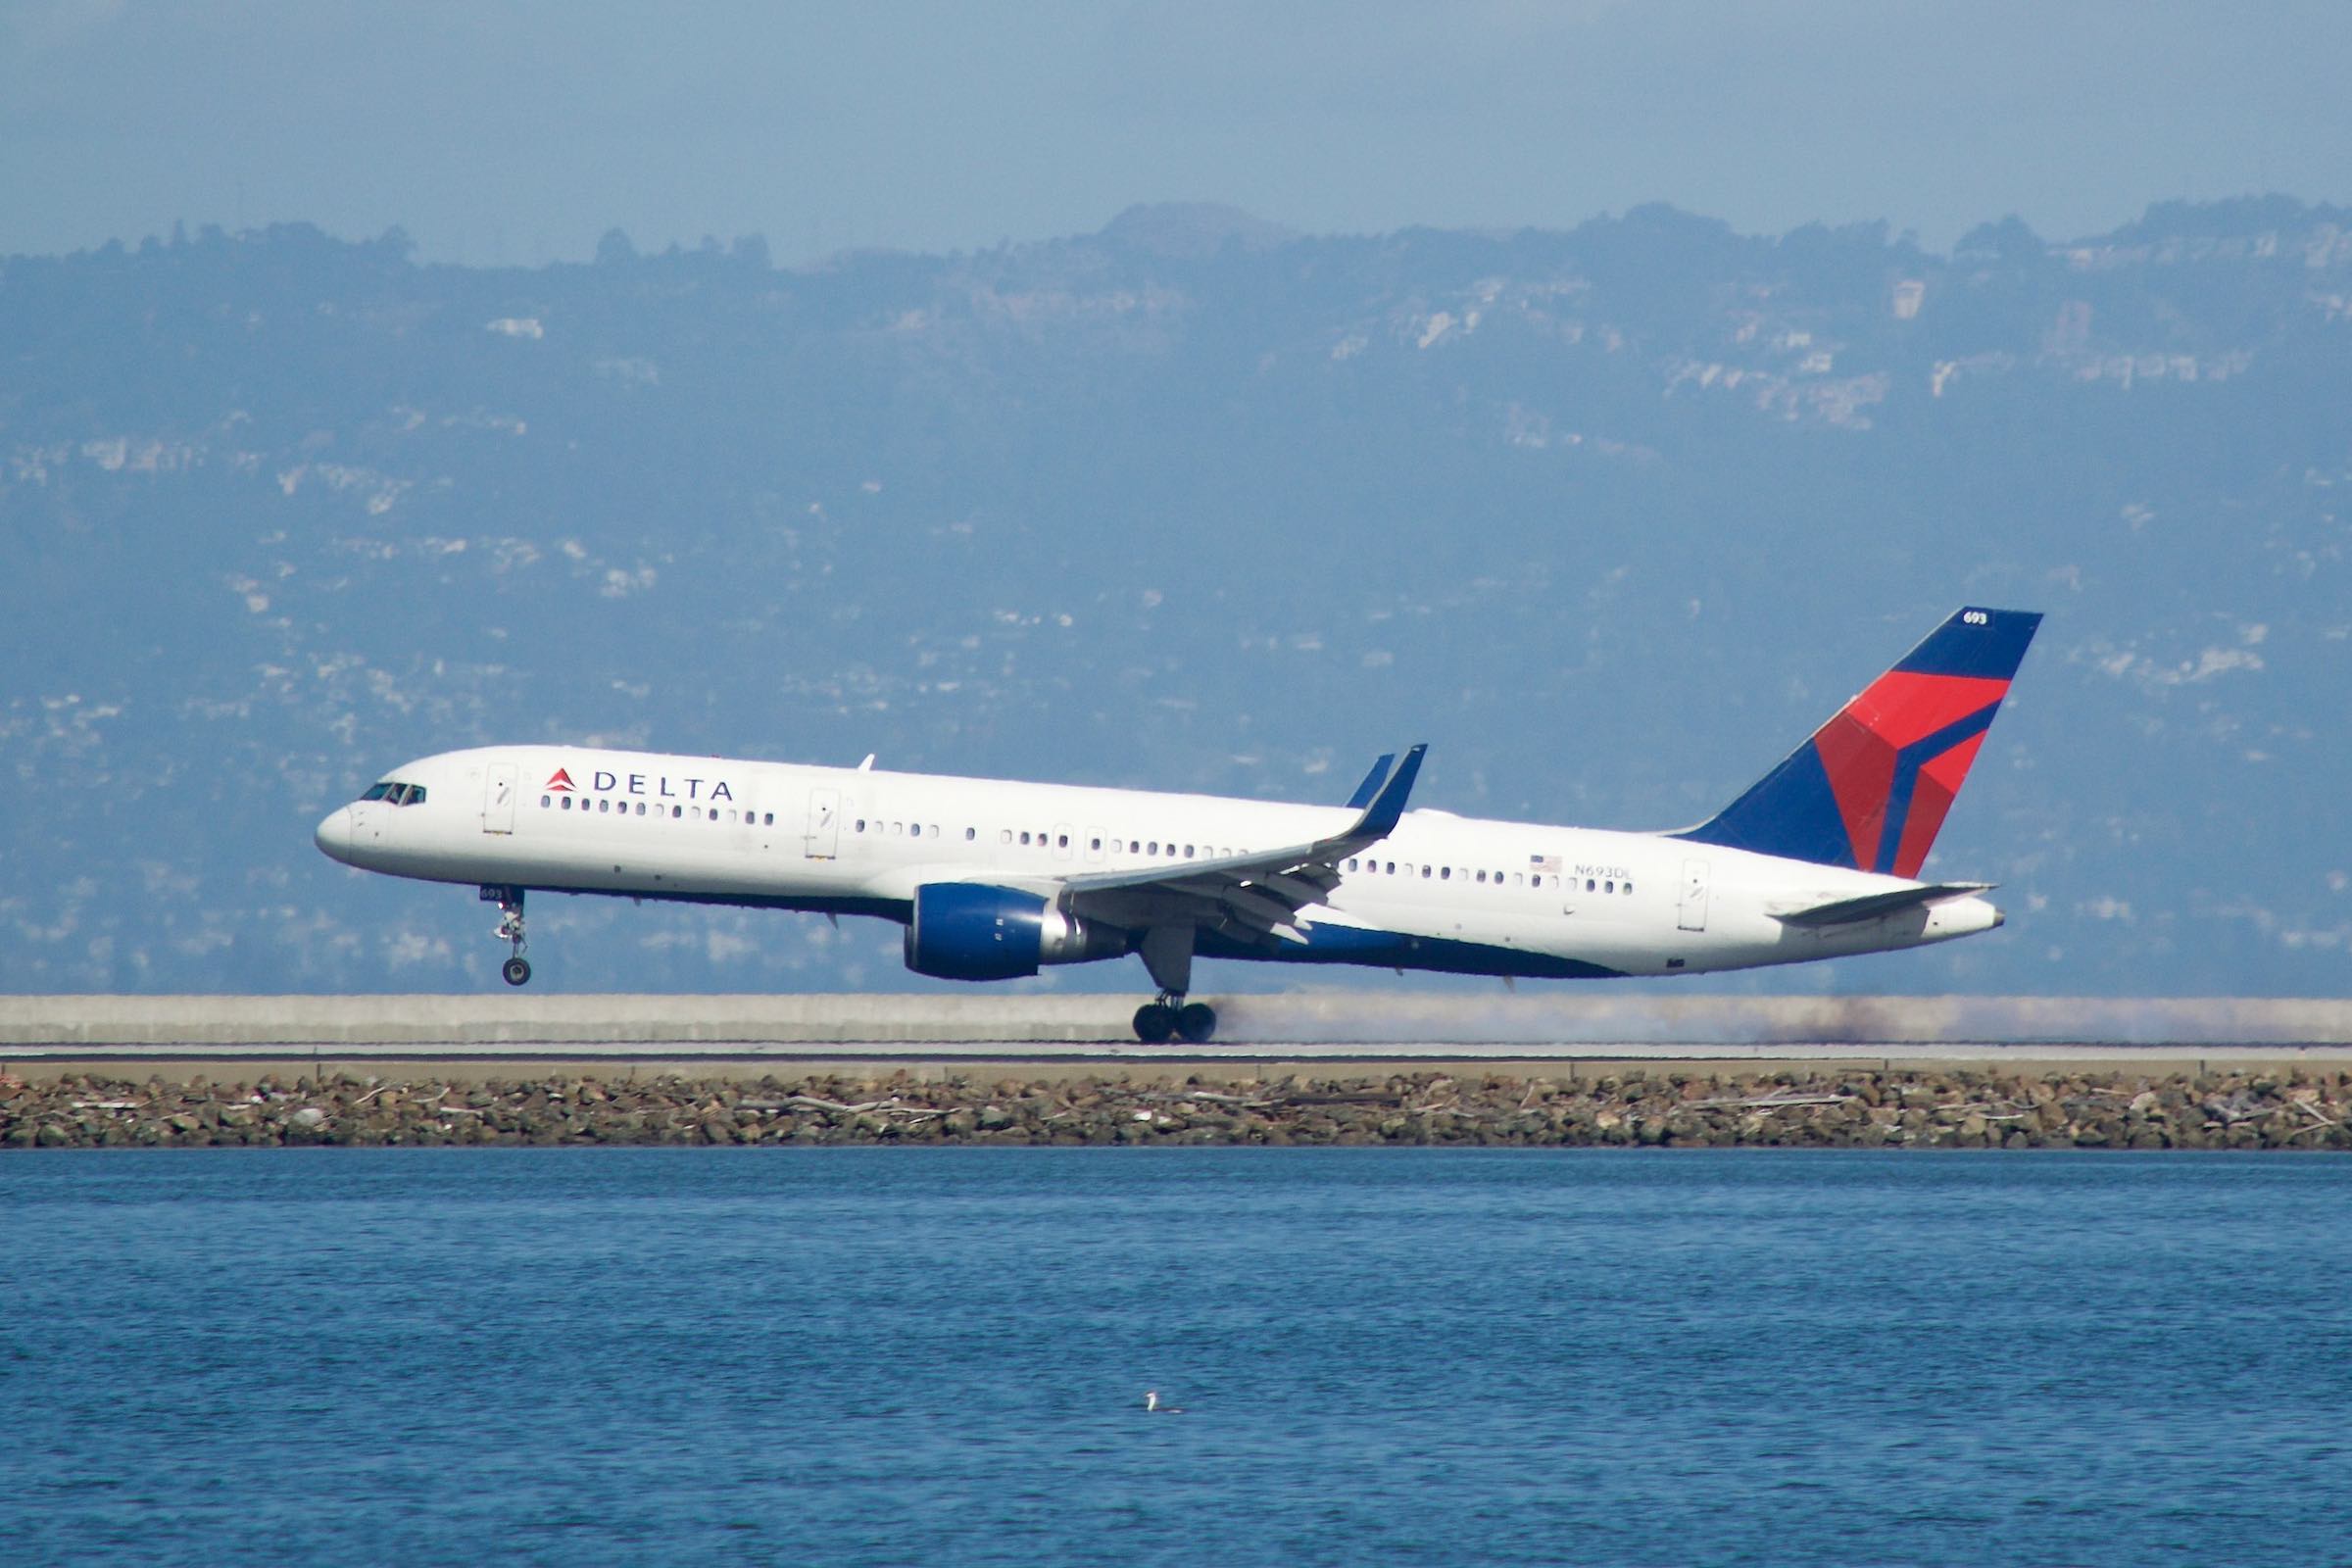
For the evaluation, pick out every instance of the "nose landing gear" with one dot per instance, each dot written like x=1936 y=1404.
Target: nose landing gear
x=517 y=971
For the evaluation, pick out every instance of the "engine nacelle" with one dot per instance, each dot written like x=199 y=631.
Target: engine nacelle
x=969 y=931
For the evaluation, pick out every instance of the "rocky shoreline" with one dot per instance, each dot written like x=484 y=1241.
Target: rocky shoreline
x=2277 y=1110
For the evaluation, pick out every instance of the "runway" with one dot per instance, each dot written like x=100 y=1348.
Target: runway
x=1562 y=1032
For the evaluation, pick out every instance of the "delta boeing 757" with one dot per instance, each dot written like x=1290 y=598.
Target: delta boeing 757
x=992 y=879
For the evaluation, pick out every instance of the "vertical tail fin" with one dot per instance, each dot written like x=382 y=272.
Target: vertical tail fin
x=1871 y=788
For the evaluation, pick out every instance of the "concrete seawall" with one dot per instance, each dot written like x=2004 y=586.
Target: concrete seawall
x=1558 y=1023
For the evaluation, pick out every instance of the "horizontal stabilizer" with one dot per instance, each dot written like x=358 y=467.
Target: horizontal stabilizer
x=1878 y=905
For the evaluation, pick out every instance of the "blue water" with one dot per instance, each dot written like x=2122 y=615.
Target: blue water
x=939 y=1356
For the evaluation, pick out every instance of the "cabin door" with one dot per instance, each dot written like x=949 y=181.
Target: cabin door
x=498 y=797
x=824 y=840
x=1695 y=896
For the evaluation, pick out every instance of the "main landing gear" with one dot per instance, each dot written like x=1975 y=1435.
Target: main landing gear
x=517 y=971
x=1171 y=1016
x=1167 y=952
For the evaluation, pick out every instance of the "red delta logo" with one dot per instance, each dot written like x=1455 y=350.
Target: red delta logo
x=561 y=782
x=1896 y=759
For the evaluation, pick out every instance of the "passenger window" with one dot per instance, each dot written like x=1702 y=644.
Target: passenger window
x=1094 y=843
x=1627 y=888
x=1005 y=835
x=1446 y=873
x=1061 y=840
x=546 y=800
x=933 y=830
x=1482 y=877
x=1391 y=872
x=603 y=807
x=676 y=812
x=568 y=803
x=1425 y=873
x=971 y=833
x=1588 y=884
x=1154 y=848
x=1024 y=835
x=1518 y=879
x=1188 y=851
x=1351 y=865
x=1609 y=886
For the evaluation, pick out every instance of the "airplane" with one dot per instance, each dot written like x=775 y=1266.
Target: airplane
x=994 y=879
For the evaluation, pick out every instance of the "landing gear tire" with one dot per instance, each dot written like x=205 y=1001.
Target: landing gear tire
x=1174 y=1018
x=517 y=971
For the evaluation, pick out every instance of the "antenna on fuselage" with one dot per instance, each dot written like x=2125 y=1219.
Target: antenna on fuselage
x=867 y=766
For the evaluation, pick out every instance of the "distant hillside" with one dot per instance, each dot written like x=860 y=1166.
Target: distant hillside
x=1611 y=516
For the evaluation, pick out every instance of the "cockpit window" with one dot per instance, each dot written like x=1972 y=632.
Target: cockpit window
x=396 y=794
x=415 y=797
x=378 y=791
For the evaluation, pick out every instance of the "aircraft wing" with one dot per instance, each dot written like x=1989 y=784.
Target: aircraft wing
x=1254 y=894
x=1876 y=905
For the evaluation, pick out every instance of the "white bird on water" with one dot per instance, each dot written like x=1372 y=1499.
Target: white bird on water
x=1153 y=1407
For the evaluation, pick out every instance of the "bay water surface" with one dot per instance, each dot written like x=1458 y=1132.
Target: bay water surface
x=1383 y=1355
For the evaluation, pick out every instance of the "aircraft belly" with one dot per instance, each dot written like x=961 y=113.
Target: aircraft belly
x=1338 y=942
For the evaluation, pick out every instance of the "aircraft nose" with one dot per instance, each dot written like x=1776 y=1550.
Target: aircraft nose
x=334 y=834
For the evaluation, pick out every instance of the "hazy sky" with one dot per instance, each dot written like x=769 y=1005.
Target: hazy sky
x=519 y=132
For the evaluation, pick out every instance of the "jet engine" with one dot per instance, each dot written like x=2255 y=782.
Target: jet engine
x=969 y=931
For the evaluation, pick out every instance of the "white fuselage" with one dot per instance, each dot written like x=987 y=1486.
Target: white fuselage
x=1441 y=892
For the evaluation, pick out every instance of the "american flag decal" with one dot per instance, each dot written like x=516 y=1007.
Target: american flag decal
x=1543 y=863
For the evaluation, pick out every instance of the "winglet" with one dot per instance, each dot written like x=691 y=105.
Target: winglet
x=1371 y=784
x=1379 y=818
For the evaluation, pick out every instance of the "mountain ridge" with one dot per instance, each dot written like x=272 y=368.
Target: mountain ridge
x=283 y=510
